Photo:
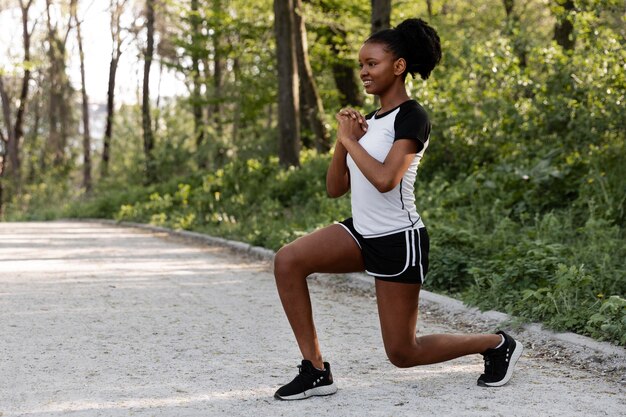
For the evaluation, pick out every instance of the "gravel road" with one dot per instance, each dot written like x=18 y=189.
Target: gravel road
x=103 y=320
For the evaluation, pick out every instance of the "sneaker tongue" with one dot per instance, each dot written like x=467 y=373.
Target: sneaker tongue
x=307 y=366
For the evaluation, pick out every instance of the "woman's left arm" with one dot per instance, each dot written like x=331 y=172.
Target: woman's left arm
x=387 y=174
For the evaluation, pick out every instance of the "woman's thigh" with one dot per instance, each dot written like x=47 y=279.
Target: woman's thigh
x=397 y=310
x=330 y=250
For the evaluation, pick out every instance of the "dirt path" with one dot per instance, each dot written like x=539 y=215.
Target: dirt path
x=99 y=320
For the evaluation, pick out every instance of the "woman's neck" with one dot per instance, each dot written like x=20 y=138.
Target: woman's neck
x=393 y=97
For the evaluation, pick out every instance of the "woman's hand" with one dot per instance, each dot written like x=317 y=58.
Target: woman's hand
x=352 y=125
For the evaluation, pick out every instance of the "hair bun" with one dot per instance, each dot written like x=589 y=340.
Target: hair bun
x=416 y=42
x=422 y=46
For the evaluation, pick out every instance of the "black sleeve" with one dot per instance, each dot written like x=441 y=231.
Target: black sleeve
x=412 y=123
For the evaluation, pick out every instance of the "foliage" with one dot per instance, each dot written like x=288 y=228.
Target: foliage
x=245 y=200
x=33 y=202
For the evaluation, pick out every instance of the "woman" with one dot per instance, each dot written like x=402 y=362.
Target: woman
x=376 y=158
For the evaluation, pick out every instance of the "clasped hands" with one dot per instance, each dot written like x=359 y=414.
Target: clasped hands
x=352 y=125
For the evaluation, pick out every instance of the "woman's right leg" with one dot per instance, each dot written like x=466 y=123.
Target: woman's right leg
x=331 y=249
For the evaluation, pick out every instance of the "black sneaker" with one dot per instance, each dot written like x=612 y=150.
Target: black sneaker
x=309 y=382
x=499 y=363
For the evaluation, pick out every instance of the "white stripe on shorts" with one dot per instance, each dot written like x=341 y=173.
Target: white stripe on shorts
x=413 y=246
x=419 y=244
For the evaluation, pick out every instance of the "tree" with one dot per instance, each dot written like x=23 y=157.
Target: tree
x=19 y=118
x=513 y=29
x=215 y=110
x=148 y=139
x=59 y=109
x=335 y=35
x=85 y=101
x=564 y=27
x=15 y=130
x=381 y=15
x=4 y=141
x=116 y=10
x=429 y=7
x=196 y=56
x=312 y=107
x=288 y=97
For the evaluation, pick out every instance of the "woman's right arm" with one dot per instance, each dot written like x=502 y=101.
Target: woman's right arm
x=337 y=176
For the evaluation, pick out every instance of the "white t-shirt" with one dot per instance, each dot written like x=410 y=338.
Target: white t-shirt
x=379 y=214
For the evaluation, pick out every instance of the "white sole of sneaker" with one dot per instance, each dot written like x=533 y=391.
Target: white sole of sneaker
x=315 y=392
x=509 y=372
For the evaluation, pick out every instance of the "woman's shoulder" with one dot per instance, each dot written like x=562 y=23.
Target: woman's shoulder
x=412 y=109
x=413 y=106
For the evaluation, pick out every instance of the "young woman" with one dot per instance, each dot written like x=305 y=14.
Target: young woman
x=376 y=158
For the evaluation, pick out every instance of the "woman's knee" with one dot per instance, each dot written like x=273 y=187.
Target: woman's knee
x=401 y=357
x=406 y=354
x=286 y=262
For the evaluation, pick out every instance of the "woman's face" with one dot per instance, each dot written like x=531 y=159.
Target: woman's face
x=378 y=68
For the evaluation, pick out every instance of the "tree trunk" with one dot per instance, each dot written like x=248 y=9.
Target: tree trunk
x=34 y=135
x=217 y=72
x=312 y=107
x=15 y=131
x=238 y=101
x=508 y=7
x=157 y=104
x=346 y=80
x=381 y=15
x=85 y=103
x=6 y=114
x=21 y=109
x=288 y=100
x=429 y=6
x=512 y=26
x=4 y=142
x=106 y=146
x=196 y=101
x=148 y=140
x=117 y=8
x=60 y=91
x=344 y=74
x=564 y=27
x=1 y=189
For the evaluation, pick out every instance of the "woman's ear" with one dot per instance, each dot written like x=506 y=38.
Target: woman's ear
x=399 y=66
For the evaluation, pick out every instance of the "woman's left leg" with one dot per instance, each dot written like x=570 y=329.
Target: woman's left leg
x=397 y=310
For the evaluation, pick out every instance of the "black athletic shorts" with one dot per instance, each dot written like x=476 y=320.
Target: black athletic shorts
x=399 y=257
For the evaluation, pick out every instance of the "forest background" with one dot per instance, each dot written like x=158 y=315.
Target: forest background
x=522 y=188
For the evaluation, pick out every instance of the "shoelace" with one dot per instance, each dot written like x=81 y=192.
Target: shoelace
x=493 y=359
x=488 y=365
x=302 y=376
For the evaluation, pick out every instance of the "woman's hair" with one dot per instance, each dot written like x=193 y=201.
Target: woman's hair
x=416 y=42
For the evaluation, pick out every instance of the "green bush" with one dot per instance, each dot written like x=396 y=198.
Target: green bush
x=245 y=200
